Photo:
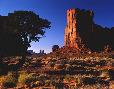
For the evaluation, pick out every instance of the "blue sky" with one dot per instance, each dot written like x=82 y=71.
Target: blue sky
x=55 y=12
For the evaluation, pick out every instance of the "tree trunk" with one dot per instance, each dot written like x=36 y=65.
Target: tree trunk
x=21 y=61
x=15 y=67
x=3 y=67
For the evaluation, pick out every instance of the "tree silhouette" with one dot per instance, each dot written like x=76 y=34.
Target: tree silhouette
x=10 y=45
x=18 y=30
x=27 y=25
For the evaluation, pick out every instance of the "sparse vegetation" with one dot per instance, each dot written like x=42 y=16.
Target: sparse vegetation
x=26 y=78
x=64 y=67
x=60 y=71
x=10 y=80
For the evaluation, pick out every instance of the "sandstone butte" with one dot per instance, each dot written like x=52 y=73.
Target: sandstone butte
x=82 y=33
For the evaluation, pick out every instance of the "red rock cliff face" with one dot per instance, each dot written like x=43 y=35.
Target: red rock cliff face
x=82 y=33
x=79 y=24
x=70 y=30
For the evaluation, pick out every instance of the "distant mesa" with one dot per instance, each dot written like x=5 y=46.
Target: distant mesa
x=31 y=52
x=82 y=33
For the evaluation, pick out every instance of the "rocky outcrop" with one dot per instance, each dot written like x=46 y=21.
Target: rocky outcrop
x=82 y=33
x=75 y=25
x=70 y=31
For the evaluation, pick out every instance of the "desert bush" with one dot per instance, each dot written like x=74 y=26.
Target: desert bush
x=26 y=78
x=30 y=78
x=47 y=82
x=67 y=78
x=10 y=80
x=27 y=62
x=37 y=83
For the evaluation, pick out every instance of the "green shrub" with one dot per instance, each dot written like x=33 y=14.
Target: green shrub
x=26 y=78
x=30 y=78
x=22 y=77
x=47 y=82
x=10 y=80
x=9 y=84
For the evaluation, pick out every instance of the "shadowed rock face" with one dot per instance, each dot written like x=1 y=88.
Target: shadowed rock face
x=82 y=32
